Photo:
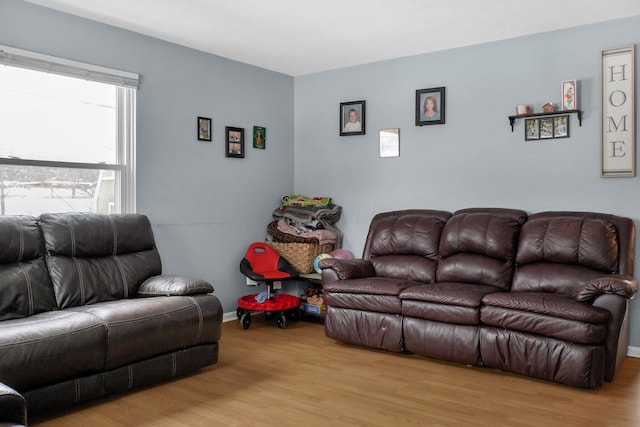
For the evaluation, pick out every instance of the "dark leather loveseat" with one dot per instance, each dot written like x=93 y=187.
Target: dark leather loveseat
x=85 y=311
x=544 y=295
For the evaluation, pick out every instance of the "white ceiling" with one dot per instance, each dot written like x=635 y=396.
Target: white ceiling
x=298 y=37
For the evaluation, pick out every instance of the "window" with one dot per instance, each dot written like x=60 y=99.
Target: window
x=67 y=135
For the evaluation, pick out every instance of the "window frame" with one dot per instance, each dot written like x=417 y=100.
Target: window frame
x=125 y=84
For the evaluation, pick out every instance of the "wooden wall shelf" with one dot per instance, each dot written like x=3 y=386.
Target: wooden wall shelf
x=512 y=119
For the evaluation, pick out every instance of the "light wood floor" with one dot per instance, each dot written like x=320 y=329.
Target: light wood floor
x=293 y=377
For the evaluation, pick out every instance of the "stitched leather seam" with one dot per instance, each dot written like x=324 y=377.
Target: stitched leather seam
x=580 y=241
x=150 y=317
x=50 y=338
x=200 y=319
x=130 y=369
x=174 y=365
x=21 y=233
x=77 y=384
x=80 y=281
x=27 y=279
x=125 y=286
x=72 y=235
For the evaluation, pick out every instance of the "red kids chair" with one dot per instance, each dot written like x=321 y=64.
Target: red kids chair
x=263 y=264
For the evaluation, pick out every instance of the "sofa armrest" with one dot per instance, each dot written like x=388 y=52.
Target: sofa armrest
x=348 y=268
x=166 y=285
x=13 y=407
x=618 y=284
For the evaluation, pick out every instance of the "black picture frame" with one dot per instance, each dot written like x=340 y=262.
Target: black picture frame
x=352 y=118
x=546 y=128
x=561 y=126
x=234 y=142
x=437 y=97
x=204 y=129
x=531 y=129
x=259 y=137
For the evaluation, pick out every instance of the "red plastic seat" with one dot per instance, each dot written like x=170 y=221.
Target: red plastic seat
x=263 y=264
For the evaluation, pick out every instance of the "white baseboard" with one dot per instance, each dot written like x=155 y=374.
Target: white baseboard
x=633 y=351
x=231 y=316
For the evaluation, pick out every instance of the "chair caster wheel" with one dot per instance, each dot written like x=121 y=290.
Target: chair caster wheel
x=282 y=321
x=245 y=321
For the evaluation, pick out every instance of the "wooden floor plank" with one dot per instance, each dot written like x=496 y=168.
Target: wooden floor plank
x=273 y=377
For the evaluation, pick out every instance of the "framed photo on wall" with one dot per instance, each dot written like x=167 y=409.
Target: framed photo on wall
x=531 y=129
x=234 y=146
x=430 y=106
x=259 y=137
x=546 y=128
x=561 y=126
x=204 y=129
x=352 y=116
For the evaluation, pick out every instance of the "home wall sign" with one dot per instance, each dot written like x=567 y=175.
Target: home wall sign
x=617 y=116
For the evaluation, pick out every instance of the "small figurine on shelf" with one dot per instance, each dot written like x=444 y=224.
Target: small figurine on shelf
x=548 y=107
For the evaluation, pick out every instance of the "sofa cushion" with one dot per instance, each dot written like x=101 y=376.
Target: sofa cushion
x=592 y=243
x=364 y=302
x=404 y=244
x=50 y=347
x=94 y=258
x=479 y=246
x=370 y=285
x=449 y=293
x=140 y=328
x=562 y=254
x=550 y=315
x=457 y=303
x=25 y=288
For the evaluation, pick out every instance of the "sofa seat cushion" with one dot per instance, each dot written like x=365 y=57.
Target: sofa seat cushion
x=364 y=302
x=370 y=285
x=63 y=344
x=141 y=328
x=449 y=293
x=548 y=315
x=449 y=302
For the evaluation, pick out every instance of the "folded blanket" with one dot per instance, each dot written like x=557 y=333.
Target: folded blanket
x=329 y=213
x=324 y=236
x=298 y=200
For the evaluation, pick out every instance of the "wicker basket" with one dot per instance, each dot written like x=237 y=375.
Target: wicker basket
x=301 y=255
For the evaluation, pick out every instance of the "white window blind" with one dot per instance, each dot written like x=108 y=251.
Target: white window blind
x=38 y=62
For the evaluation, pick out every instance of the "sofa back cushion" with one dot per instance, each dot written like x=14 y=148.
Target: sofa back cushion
x=404 y=244
x=25 y=288
x=561 y=254
x=479 y=246
x=94 y=257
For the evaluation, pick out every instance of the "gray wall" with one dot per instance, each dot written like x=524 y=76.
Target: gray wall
x=474 y=159
x=205 y=208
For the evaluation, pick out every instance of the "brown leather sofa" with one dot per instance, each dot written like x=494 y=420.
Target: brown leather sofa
x=85 y=311
x=544 y=295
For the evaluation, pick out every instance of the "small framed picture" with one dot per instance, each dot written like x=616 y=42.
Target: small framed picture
x=531 y=129
x=352 y=116
x=204 y=129
x=546 y=128
x=569 y=95
x=561 y=127
x=234 y=146
x=259 y=137
x=430 y=106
